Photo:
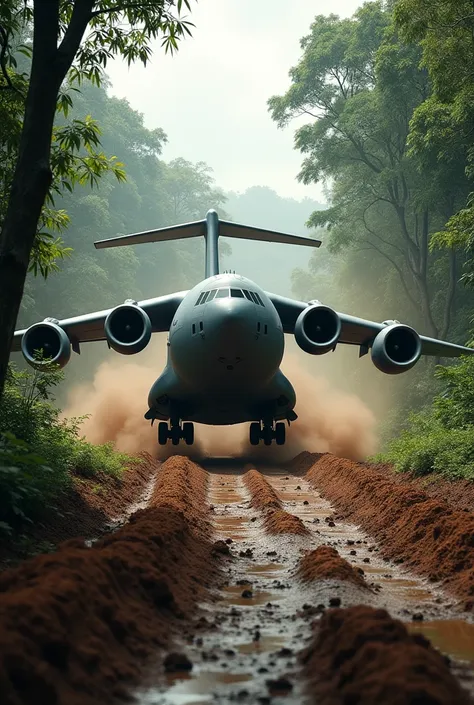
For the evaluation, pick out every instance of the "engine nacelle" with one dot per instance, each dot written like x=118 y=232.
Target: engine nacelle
x=396 y=349
x=128 y=329
x=48 y=339
x=317 y=329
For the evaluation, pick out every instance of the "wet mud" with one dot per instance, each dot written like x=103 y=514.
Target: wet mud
x=228 y=583
x=423 y=533
x=362 y=655
x=78 y=626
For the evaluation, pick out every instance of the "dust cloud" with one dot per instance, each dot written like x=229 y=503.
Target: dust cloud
x=116 y=399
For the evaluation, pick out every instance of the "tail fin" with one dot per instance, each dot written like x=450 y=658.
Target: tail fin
x=210 y=228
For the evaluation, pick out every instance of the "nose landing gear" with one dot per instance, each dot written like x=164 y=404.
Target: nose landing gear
x=176 y=433
x=267 y=432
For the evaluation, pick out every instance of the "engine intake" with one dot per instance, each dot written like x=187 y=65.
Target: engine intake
x=317 y=329
x=396 y=349
x=128 y=329
x=48 y=339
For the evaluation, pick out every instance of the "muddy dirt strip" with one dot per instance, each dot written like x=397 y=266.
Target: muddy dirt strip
x=324 y=581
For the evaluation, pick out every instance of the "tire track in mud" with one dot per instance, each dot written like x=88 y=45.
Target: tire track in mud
x=78 y=627
x=263 y=631
x=425 y=608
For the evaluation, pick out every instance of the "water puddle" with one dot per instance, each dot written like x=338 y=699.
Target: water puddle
x=233 y=527
x=264 y=644
x=186 y=688
x=451 y=636
x=232 y=595
x=265 y=569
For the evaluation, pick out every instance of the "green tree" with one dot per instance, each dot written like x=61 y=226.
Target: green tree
x=359 y=85
x=441 y=128
x=62 y=55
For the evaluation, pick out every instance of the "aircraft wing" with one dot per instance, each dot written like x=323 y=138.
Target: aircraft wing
x=361 y=332
x=90 y=326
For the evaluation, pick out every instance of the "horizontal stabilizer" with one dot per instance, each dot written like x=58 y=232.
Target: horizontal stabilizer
x=175 y=232
x=198 y=227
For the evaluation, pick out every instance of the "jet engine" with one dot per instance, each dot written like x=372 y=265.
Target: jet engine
x=396 y=349
x=128 y=329
x=48 y=339
x=317 y=329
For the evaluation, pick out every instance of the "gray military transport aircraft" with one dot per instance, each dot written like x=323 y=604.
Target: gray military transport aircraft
x=226 y=340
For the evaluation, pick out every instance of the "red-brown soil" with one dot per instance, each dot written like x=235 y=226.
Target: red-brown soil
x=362 y=655
x=325 y=563
x=459 y=494
x=265 y=498
x=277 y=521
x=86 y=509
x=77 y=626
x=425 y=533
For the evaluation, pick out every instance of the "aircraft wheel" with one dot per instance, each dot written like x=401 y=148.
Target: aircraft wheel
x=188 y=433
x=162 y=433
x=267 y=435
x=254 y=434
x=280 y=434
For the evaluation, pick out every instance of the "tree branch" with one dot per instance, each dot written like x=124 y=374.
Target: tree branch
x=3 y=66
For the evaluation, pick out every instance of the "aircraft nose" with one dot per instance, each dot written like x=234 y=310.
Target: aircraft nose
x=232 y=324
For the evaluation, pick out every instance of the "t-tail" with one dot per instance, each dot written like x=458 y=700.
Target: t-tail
x=210 y=228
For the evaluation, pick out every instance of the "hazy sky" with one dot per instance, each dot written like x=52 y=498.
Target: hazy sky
x=210 y=98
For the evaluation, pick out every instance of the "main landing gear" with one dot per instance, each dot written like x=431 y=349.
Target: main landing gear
x=267 y=433
x=175 y=433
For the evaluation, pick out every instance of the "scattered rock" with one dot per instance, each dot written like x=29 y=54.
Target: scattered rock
x=417 y=617
x=298 y=487
x=306 y=502
x=353 y=553
x=334 y=602
x=366 y=560
x=221 y=547
x=229 y=541
x=279 y=685
x=177 y=662
x=247 y=593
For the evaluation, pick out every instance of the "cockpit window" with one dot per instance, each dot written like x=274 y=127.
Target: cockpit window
x=259 y=299
x=205 y=297
x=237 y=293
x=247 y=295
x=212 y=294
x=199 y=298
x=254 y=298
x=222 y=293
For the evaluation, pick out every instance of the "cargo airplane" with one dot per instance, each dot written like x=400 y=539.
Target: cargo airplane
x=225 y=340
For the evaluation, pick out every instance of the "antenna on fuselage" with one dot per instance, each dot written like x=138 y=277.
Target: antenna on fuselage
x=211 y=228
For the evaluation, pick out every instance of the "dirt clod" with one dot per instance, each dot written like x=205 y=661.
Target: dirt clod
x=177 y=662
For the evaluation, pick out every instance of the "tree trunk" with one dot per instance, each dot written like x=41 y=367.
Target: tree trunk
x=32 y=177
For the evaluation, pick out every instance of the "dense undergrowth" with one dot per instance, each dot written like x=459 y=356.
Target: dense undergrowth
x=440 y=438
x=41 y=453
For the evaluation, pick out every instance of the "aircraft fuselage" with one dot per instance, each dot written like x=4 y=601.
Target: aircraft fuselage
x=225 y=347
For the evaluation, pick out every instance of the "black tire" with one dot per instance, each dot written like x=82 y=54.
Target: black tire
x=254 y=434
x=268 y=435
x=280 y=434
x=188 y=433
x=162 y=433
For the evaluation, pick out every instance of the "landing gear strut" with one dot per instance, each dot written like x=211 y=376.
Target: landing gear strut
x=267 y=432
x=175 y=433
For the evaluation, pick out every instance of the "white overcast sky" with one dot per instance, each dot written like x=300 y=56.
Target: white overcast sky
x=210 y=98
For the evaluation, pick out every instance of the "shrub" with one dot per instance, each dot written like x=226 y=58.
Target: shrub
x=40 y=452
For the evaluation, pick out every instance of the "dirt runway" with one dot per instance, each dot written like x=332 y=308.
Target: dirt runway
x=322 y=581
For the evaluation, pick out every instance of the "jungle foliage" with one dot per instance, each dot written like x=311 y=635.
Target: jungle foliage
x=41 y=453
x=386 y=98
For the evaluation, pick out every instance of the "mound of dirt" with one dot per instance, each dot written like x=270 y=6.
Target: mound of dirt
x=77 y=626
x=362 y=655
x=277 y=521
x=424 y=533
x=263 y=494
x=325 y=563
x=85 y=509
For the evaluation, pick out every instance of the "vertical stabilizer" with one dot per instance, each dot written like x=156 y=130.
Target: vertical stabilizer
x=211 y=237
